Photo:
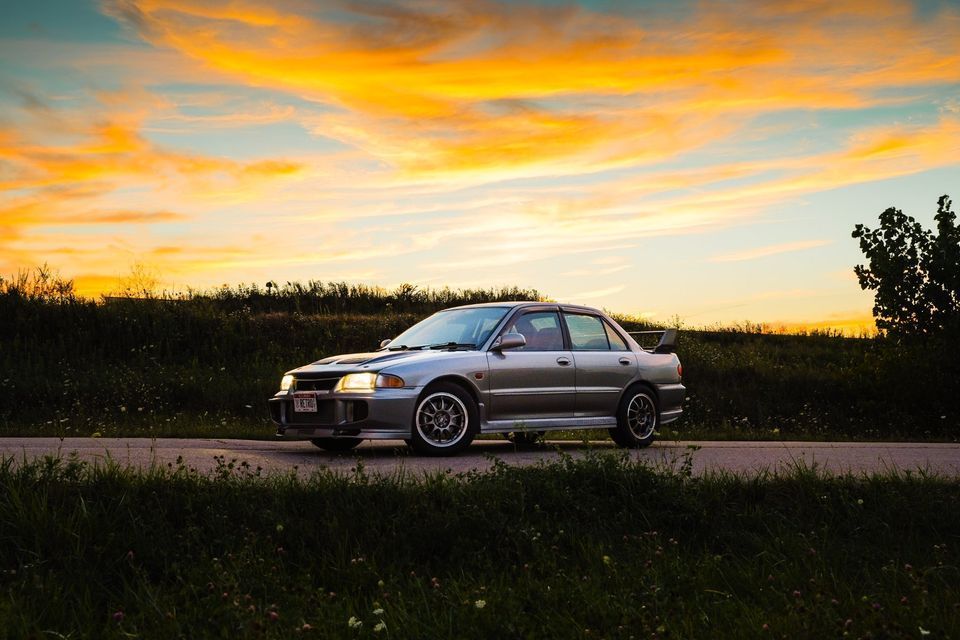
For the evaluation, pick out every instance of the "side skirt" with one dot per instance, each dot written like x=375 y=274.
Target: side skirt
x=546 y=424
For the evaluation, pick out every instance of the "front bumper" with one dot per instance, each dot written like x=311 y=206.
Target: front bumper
x=378 y=415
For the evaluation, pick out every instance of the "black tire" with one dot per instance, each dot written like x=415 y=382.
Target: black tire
x=525 y=438
x=445 y=420
x=336 y=445
x=638 y=417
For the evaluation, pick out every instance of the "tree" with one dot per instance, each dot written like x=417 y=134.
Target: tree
x=915 y=274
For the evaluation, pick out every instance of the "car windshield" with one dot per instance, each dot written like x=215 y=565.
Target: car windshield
x=454 y=328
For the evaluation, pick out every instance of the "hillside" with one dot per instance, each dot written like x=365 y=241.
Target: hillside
x=205 y=363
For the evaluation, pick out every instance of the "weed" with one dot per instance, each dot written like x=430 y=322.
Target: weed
x=603 y=544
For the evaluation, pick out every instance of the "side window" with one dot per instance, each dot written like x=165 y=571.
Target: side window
x=616 y=342
x=541 y=330
x=587 y=333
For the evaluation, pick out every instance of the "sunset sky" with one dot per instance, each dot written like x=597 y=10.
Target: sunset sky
x=706 y=160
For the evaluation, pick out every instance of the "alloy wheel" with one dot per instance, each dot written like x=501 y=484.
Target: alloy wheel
x=442 y=419
x=641 y=416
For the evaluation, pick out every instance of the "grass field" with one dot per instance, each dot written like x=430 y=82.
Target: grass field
x=205 y=363
x=592 y=548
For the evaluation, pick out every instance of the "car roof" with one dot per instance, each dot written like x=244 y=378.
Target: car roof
x=513 y=304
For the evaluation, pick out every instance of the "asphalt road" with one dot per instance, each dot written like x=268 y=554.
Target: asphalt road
x=387 y=457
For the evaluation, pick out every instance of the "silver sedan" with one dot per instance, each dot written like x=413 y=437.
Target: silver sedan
x=515 y=368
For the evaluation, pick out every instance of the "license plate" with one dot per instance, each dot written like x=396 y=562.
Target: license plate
x=305 y=404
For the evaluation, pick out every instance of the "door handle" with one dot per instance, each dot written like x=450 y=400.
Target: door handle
x=625 y=361
x=563 y=362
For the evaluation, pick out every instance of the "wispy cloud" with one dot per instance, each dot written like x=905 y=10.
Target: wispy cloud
x=595 y=271
x=770 y=250
x=592 y=294
x=107 y=149
x=66 y=168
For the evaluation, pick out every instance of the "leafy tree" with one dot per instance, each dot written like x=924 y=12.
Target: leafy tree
x=915 y=274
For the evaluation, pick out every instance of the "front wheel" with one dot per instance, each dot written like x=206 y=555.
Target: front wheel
x=637 y=418
x=336 y=445
x=445 y=421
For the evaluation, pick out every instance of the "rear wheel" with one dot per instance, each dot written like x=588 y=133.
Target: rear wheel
x=445 y=421
x=637 y=418
x=336 y=444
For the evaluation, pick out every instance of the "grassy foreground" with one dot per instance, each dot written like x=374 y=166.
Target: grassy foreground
x=600 y=547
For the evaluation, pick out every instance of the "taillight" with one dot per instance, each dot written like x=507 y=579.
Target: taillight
x=679 y=370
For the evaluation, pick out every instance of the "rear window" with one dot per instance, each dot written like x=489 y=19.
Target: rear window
x=587 y=333
x=616 y=342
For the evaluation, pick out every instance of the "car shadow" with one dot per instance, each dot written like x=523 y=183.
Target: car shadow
x=393 y=449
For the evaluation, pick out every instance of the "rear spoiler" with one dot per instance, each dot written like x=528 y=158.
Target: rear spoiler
x=667 y=344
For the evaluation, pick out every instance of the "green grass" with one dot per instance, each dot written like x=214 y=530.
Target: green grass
x=600 y=547
x=205 y=364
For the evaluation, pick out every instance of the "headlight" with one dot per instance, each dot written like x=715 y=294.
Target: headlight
x=357 y=382
x=286 y=383
x=368 y=382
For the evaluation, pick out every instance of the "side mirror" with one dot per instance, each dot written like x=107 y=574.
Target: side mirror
x=384 y=343
x=509 y=341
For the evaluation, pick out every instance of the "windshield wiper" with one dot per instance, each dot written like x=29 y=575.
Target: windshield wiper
x=399 y=347
x=453 y=345
x=445 y=345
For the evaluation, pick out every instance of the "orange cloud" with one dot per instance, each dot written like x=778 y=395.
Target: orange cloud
x=260 y=115
x=66 y=167
x=125 y=217
x=874 y=154
x=112 y=151
x=440 y=88
x=617 y=213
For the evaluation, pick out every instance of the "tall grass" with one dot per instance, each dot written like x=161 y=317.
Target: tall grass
x=204 y=364
x=600 y=547
x=204 y=360
x=819 y=385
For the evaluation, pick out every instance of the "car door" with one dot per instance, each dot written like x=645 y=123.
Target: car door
x=604 y=364
x=534 y=381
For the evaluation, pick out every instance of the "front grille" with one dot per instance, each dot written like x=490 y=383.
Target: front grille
x=325 y=414
x=318 y=384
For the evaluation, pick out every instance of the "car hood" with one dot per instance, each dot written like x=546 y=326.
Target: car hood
x=375 y=360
